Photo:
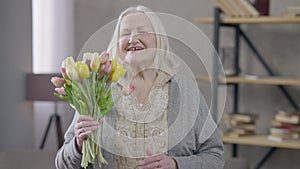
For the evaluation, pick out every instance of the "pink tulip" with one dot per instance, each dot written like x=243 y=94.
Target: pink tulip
x=104 y=56
x=107 y=67
x=57 y=81
x=60 y=90
x=64 y=70
x=100 y=74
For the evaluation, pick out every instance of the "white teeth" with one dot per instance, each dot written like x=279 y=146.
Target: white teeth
x=135 y=48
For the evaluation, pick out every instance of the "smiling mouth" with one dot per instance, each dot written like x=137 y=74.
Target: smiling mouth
x=134 y=49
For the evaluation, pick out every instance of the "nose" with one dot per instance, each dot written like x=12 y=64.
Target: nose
x=133 y=37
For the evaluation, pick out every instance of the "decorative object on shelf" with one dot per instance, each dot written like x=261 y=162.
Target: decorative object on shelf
x=40 y=88
x=285 y=126
x=237 y=8
x=240 y=124
x=262 y=6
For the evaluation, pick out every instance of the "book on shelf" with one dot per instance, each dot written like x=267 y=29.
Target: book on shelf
x=241 y=131
x=250 y=8
x=234 y=124
x=279 y=139
x=278 y=130
x=237 y=8
x=234 y=7
x=262 y=6
x=233 y=134
x=242 y=8
x=288 y=117
x=242 y=117
x=292 y=127
x=224 y=7
x=240 y=124
x=290 y=135
x=285 y=126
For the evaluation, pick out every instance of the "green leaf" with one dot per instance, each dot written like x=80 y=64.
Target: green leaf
x=66 y=98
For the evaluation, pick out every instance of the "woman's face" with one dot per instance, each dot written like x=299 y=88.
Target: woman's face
x=137 y=40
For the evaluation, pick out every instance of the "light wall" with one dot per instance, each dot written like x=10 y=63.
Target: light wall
x=16 y=122
x=53 y=41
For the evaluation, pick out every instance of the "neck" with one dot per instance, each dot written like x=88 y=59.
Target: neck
x=143 y=83
x=146 y=76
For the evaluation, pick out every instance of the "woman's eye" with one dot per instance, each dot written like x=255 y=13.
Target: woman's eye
x=125 y=34
x=143 y=32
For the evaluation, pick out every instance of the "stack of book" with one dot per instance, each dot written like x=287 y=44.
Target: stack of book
x=285 y=126
x=239 y=124
x=237 y=8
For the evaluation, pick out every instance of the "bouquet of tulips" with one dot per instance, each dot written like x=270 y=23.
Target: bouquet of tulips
x=86 y=86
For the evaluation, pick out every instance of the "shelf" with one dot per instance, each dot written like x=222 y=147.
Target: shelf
x=262 y=140
x=279 y=81
x=252 y=20
x=267 y=80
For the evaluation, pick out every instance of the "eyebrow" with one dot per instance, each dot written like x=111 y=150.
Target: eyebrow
x=138 y=28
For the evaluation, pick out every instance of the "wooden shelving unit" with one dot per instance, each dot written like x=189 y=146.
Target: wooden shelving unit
x=270 y=80
x=262 y=140
x=250 y=20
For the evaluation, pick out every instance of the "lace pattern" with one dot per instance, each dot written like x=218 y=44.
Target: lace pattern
x=140 y=127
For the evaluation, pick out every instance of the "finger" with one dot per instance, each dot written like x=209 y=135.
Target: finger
x=92 y=128
x=151 y=165
x=101 y=120
x=84 y=124
x=84 y=118
x=149 y=152
x=84 y=135
x=153 y=158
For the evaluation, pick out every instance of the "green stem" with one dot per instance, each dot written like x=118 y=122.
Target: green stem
x=79 y=87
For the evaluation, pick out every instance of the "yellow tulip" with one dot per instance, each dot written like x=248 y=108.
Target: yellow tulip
x=71 y=72
x=120 y=70
x=82 y=69
x=114 y=65
x=95 y=63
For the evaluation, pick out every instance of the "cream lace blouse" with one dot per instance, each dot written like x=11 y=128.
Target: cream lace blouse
x=141 y=126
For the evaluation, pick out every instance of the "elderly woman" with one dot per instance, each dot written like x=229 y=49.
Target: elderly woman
x=137 y=133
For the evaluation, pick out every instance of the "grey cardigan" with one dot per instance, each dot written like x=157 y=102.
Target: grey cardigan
x=190 y=152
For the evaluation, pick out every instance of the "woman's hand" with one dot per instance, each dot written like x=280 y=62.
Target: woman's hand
x=158 y=161
x=84 y=127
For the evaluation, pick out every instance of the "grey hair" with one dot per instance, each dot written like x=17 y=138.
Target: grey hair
x=162 y=60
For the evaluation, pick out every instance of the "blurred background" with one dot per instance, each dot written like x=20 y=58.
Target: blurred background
x=36 y=35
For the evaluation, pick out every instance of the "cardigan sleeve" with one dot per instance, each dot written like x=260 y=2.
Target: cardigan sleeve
x=202 y=147
x=209 y=155
x=68 y=156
